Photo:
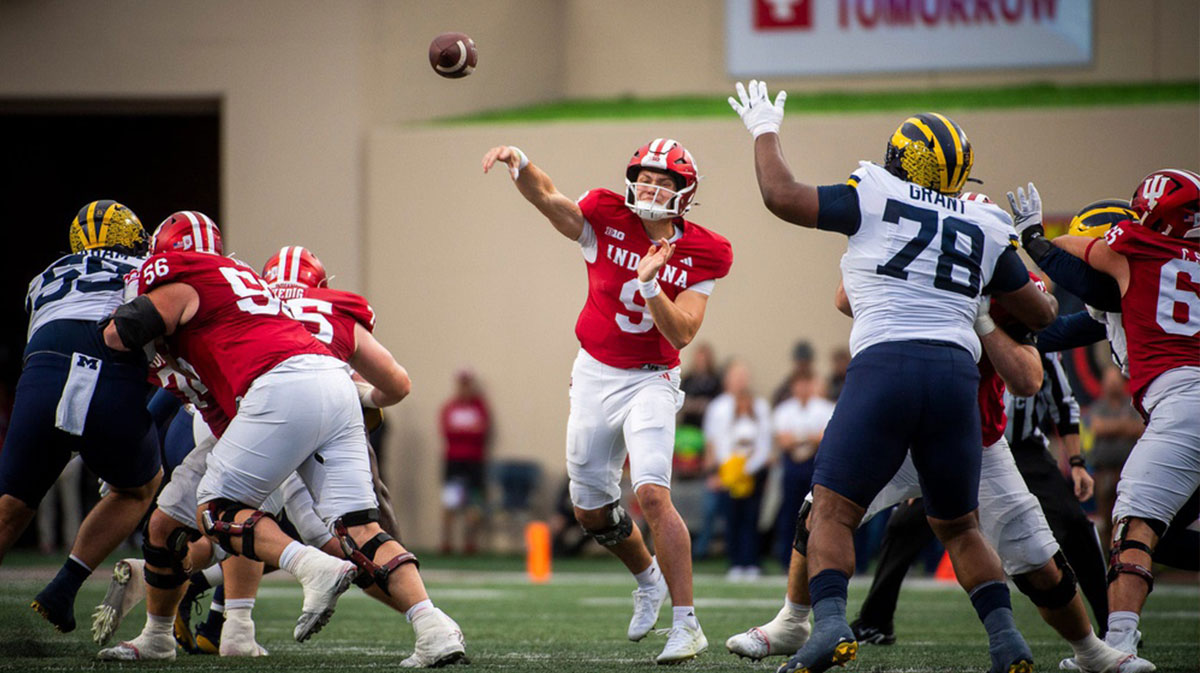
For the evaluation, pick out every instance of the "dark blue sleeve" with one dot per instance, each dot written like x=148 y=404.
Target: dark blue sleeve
x=1010 y=274
x=837 y=209
x=162 y=406
x=1071 y=331
x=1095 y=288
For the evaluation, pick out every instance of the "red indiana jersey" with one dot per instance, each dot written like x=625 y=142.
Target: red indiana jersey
x=183 y=382
x=992 y=419
x=614 y=326
x=329 y=314
x=1161 y=306
x=239 y=332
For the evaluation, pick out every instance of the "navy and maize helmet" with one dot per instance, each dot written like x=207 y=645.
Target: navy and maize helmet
x=106 y=224
x=1095 y=219
x=932 y=151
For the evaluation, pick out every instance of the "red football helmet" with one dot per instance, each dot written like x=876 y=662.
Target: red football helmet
x=187 y=230
x=975 y=196
x=1167 y=201
x=665 y=156
x=294 y=264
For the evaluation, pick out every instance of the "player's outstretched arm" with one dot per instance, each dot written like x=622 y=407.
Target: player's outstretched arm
x=678 y=321
x=1096 y=253
x=387 y=380
x=786 y=198
x=538 y=189
x=160 y=311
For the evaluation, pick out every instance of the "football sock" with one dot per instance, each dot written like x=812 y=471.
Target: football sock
x=797 y=611
x=159 y=626
x=648 y=578
x=71 y=576
x=682 y=615
x=1123 y=621
x=239 y=604
x=213 y=575
x=417 y=608
x=289 y=556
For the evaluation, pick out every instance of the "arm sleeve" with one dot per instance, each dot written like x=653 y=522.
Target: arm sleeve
x=837 y=209
x=1010 y=274
x=1071 y=331
x=162 y=406
x=1095 y=288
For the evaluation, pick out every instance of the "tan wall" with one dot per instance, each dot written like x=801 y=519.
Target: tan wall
x=462 y=271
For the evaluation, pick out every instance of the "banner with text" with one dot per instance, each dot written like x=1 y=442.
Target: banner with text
x=823 y=37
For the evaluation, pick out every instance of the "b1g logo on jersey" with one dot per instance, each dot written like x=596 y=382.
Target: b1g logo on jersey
x=782 y=14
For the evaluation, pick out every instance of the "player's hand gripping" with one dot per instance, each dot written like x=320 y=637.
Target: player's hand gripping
x=1027 y=214
x=653 y=260
x=508 y=154
x=1084 y=484
x=755 y=108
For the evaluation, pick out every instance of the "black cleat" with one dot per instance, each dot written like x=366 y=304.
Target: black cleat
x=872 y=635
x=57 y=609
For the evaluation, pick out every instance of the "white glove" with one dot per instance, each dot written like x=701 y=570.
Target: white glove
x=1027 y=213
x=755 y=108
x=364 y=394
x=984 y=325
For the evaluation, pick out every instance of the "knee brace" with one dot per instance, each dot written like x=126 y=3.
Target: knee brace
x=800 y=542
x=1055 y=597
x=219 y=523
x=369 y=572
x=170 y=556
x=1117 y=567
x=620 y=526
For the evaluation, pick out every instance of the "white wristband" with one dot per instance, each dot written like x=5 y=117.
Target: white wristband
x=649 y=289
x=516 y=172
x=364 y=394
x=763 y=129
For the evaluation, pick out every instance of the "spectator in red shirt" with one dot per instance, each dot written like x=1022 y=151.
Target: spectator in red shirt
x=466 y=426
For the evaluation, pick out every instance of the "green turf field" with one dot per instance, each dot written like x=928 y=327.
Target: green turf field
x=575 y=623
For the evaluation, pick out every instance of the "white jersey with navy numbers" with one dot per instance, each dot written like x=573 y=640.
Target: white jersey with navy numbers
x=86 y=285
x=919 y=261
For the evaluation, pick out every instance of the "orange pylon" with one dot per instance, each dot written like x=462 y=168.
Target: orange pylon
x=945 y=570
x=537 y=552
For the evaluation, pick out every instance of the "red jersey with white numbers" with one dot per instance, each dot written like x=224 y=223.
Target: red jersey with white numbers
x=1161 y=307
x=614 y=326
x=181 y=380
x=329 y=314
x=240 y=330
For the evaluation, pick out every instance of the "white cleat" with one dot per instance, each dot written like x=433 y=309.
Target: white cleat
x=125 y=591
x=683 y=643
x=1126 y=641
x=237 y=639
x=646 y=605
x=324 y=578
x=780 y=636
x=439 y=641
x=1110 y=660
x=142 y=648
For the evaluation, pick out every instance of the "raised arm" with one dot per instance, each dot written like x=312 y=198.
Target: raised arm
x=783 y=195
x=538 y=189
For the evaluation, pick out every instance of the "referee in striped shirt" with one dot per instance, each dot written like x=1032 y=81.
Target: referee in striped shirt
x=1054 y=410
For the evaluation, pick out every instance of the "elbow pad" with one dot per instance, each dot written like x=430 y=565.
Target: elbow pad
x=138 y=323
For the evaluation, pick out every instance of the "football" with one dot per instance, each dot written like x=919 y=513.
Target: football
x=453 y=55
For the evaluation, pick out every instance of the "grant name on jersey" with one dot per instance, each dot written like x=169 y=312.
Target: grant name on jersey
x=929 y=196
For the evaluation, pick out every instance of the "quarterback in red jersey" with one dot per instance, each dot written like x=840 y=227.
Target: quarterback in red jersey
x=650 y=272
x=1010 y=516
x=293 y=408
x=1156 y=262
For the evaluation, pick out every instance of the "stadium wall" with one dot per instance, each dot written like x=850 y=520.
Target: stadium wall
x=463 y=272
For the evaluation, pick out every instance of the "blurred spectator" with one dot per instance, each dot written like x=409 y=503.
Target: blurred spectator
x=837 y=377
x=466 y=427
x=799 y=423
x=701 y=383
x=62 y=503
x=737 y=428
x=802 y=362
x=1115 y=427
